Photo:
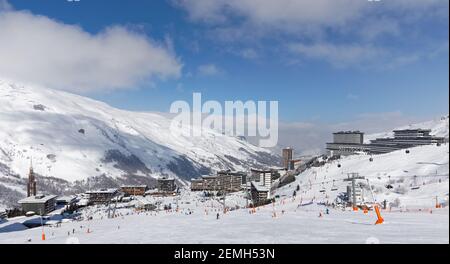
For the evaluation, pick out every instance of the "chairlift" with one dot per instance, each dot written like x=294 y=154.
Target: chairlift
x=389 y=186
x=323 y=188
x=334 y=188
x=415 y=186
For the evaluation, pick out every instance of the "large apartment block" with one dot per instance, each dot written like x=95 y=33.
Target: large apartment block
x=351 y=142
x=224 y=181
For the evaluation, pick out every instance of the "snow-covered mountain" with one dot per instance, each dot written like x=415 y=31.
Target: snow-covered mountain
x=71 y=138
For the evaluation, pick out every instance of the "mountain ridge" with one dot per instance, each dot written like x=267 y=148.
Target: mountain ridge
x=73 y=138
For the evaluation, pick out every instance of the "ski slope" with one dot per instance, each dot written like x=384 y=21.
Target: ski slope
x=295 y=225
x=411 y=216
x=426 y=167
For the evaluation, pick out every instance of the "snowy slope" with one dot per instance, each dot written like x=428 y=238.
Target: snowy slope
x=425 y=166
x=195 y=222
x=71 y=138
x=439 y=127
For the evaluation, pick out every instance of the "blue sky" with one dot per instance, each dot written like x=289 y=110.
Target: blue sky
x=324 y=63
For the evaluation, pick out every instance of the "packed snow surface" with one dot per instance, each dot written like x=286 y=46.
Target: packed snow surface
x=416 y=178
x=196 y=222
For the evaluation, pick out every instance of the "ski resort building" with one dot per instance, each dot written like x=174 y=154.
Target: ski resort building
x=264 y=177
x=66 y=200
x=197 y=184
x=134 y=190
x=287 y=155
x=259 y=194
x=351 y=142
x=102 y=196
x=210 y=183
x=166 y=184
x=347 y=143
x=231 y=181
x=404 y=139
x=224 y=181
x=39 y=204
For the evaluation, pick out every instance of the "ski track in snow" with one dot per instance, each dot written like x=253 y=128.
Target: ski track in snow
x=53 y=129
x=296 y=225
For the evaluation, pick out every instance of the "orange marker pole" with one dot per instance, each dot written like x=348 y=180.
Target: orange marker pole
x=43 y=236
x=380 y=219
x=437 y=203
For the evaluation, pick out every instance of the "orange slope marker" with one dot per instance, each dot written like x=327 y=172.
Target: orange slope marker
x=380 y=219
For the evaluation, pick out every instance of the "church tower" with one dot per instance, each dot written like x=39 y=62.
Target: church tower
x=31 y=186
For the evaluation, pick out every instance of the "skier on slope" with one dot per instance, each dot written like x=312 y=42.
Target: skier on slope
x=218 y=215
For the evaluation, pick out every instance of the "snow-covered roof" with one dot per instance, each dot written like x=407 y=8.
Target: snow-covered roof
x=196 y=179
x=209 y=177
x=111 y=190
x=83 y=202
x=134 y=186
x=67 y=199
x=259 y=187
x=37 y=199
x=349 y=132
x=166 y=179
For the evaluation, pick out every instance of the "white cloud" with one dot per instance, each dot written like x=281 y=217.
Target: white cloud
x=303 y=13
x=364 y=28
x=5 y=5
x=47 y=52
x=208 y=70
x=338 y=55
x=274 y=13
x=202 y=10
